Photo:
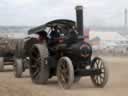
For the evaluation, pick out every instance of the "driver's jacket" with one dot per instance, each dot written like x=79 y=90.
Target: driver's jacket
x=54 y=36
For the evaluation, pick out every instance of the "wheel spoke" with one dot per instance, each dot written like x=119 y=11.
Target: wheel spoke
x=102 y=77
x=95 y=65
x=35 y=63
x=99 y=78
x=60 y=70
x=96 y=79
x=35 y=73
x=33 y=58
x=66 y=78
x=34 y=52
x=62 y=78
x=102 y=70
x=62 y=67
x=64 y=72
x=100 y=63
x=97 y=61
x=38 y=61
x=102 y=66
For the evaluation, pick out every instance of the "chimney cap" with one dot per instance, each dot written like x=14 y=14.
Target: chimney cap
x=79 y=7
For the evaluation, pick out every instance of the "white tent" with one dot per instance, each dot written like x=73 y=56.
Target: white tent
x=108 y=39
x=107 y=36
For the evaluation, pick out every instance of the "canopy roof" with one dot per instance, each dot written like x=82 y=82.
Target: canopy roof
x=60 y=22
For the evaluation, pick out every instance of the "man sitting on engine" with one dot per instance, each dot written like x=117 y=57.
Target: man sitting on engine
x=54 y=36
x=72 y=36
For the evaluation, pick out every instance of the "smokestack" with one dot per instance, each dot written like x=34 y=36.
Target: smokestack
x=79 y=19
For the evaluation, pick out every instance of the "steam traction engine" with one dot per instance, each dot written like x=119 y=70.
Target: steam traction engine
x=61 y=51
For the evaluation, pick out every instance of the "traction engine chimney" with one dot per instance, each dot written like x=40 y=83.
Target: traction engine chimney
x=79 y=19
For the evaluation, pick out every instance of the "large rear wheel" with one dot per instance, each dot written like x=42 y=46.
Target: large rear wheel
x=65 y=72
x=39 y=70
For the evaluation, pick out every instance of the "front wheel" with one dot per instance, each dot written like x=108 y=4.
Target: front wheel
x=65 y=72
x=100 y=75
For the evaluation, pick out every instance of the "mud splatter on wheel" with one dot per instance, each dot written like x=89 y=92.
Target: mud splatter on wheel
x=100 y=75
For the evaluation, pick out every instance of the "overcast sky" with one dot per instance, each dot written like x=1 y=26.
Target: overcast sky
x=36 y=12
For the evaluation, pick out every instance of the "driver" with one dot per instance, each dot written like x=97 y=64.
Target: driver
x=72 y=36
x=54 y=35
x=55 y=32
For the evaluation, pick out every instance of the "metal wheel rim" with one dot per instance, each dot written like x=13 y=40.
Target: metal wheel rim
x=35 y=62
x=99 y=78
x=63 y=75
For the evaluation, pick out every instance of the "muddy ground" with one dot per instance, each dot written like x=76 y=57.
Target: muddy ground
x=117 y=85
